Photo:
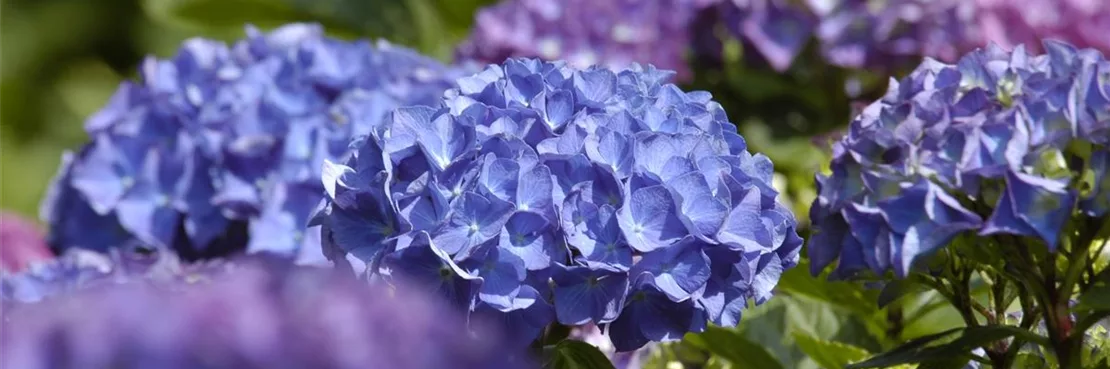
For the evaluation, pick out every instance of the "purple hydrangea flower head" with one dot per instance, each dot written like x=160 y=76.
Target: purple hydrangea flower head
x=987 y=145
x=851 y=33
x=546 y=194
x=22 y=243
x=257 y=313
x=1080 y=22
x=884 y=33
x=221 y=146
x=614 y=33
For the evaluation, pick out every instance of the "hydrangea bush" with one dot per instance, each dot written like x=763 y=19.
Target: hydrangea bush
x=220 y=147
x=1001 y=161
x=543 y=195
x=253 y=313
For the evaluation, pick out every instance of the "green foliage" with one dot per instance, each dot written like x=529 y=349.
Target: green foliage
x=735 y=348
x=572 y=354
x=939 y=350
x=432 y=26
x=1096 y=298
x=63 y=59
x=829 y=354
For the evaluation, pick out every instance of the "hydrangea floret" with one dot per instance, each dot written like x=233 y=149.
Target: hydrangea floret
x=221 y=147
x=540 y=194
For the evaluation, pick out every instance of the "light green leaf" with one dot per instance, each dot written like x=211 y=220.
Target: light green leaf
x=931 y=347
x=1097 y=298
x=829 y=354
x=1027 y=360
x=730 y=345
x=896 y=289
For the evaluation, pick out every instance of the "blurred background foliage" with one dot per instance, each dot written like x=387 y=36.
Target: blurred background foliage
x=62 y=60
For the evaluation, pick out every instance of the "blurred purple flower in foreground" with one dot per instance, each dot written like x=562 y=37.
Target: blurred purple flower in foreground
x=261 y=313
x=21 y=243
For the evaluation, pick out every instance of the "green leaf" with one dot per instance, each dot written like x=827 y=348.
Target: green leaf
x=573 y=354
x=829 y=354
x=905 y=354
x=344 y=18
x=955 y=362
x=849 y=295
x=1096 y=298
x=1026 y=360
x=926 y=348
x=223 y=13
x=898 y=288
x=432 y=26
x=734 y=347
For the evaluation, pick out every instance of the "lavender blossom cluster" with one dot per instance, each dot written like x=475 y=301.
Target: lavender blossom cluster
x=221 y=147
x=848 y=33
x=538 y=193
x=867 y=33
x=613 y=33
x=1010 y=23
x=1001 y=143
x=259 y=312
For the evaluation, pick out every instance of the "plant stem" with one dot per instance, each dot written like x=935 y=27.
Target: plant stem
x=896 y=321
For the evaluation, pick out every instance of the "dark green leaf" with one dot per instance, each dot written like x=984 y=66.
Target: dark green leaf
x=954 y=362
x=572 y=354
x=734 y=347
x=850 y=295
x=1026 y=360
x=1096 y=298
x=829 y=354
x=930 y=347
x=907 y=353
x=897 y=288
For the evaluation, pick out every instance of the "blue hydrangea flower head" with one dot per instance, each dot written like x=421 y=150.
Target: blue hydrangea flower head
x=538 y=193
x=256 y=312
x=1000 y=143
x=221 y=147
